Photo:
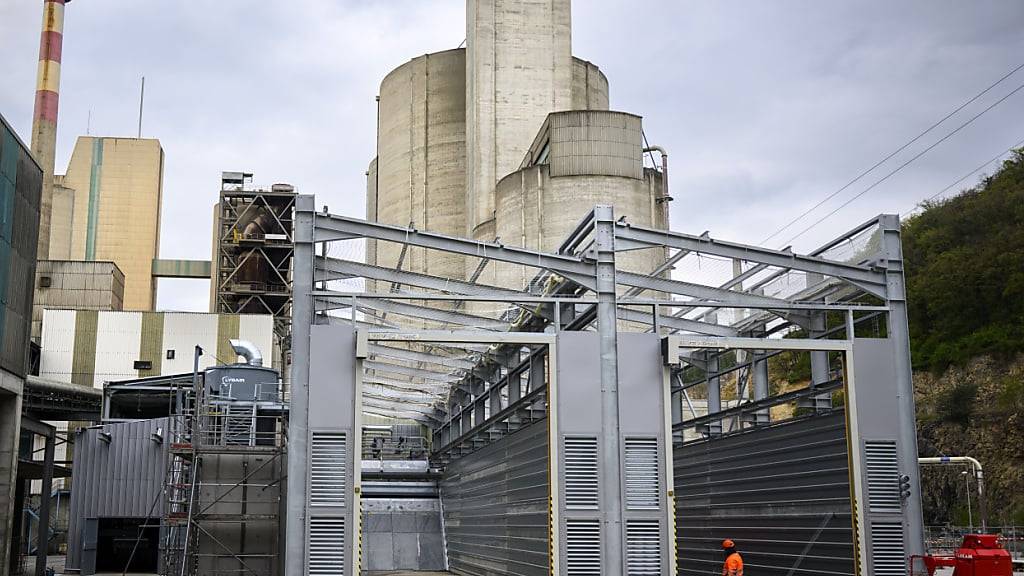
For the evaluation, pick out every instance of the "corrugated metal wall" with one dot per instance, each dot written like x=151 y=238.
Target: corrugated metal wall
x=21 y=182
x=121 y=479
x=782 y=493
x=495 y=504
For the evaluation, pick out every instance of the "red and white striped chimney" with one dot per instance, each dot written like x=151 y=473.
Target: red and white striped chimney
x=44 y=120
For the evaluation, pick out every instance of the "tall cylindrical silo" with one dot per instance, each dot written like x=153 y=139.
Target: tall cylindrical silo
x=421 y=164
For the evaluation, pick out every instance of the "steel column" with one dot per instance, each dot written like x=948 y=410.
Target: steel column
x=607 y=318
x=899 y=336
x=298 y=441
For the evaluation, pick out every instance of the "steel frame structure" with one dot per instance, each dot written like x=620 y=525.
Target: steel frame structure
x=268 y=250
x=465 y=362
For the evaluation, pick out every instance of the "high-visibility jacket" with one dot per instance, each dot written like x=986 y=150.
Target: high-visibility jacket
x=733 y=565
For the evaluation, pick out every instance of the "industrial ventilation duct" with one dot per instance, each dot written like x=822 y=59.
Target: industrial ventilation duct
x=247 y=350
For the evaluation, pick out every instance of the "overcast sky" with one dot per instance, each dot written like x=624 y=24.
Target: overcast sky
x=765 y=107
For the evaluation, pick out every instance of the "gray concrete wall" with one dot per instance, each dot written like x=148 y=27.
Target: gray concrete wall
x=518 y=69
x=10 y=426
x=402 y=534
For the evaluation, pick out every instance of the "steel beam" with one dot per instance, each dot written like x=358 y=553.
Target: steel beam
x=630 y=236
x=413 y=311
x=331 y=227
x=414 y=356
x=442 y=378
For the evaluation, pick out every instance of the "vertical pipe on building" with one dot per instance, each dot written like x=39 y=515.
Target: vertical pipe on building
x=899 y=336
x=298 y=419
x=607 y=317
x=43 y=533
x=44 y=118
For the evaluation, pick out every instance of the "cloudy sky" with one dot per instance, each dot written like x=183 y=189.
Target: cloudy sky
x=765 y=107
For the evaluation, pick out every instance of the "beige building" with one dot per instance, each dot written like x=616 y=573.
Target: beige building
x=113 y=210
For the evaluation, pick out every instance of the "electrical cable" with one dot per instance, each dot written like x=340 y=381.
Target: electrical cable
x=904 y=165
x=894 y=153
x=965 y=176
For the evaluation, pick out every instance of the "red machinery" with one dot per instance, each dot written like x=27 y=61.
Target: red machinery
x=978 y=555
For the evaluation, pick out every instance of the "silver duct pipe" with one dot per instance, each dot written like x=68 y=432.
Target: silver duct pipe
x=247 y=350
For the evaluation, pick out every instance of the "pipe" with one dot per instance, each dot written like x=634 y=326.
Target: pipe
x=665 y=197
x=247 y=350
x=978 y=475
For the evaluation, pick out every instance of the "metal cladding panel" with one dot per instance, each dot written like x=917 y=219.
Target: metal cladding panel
x=495 y=503
x=781 y=492
x=58 y=345
x=118 y=342
x=120 y=479
x=20 y=191
x=182 y=333
x=596 y=142
x=332 y=518
x=880 y=466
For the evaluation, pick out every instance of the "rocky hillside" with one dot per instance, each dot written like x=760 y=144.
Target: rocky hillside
x=965 y=280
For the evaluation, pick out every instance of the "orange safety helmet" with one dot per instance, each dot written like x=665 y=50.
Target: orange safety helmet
x=726 y=544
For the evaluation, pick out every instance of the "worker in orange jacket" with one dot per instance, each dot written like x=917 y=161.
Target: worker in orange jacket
x=733 y=561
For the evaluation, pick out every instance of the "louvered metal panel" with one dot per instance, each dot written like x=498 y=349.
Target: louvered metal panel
x=781 y=492
x=326 y=546
x=642 y=474
x=887 y=550
x=883 y=476
x=496 y=507
x=581 y=476
x=583 y=547
x=643 y=547
x=327 y=469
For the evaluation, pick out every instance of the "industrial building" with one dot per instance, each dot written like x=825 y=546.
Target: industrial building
x=90 y=348
x=21 y=182
x=75 y=285
x=115 y=213
x=184 y=474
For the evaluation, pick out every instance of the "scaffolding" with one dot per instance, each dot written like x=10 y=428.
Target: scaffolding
x=222 y=491
x=255 y=248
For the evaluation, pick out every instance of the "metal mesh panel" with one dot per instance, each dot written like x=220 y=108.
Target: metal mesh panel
x=327 y=546
x=642 y=474
x=643 y=548
x=887 y=552
x=328 y=459
x=882 y=467
x=583 y=547
x=581 y=478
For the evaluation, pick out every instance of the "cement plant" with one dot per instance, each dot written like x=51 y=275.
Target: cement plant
x=508 y=365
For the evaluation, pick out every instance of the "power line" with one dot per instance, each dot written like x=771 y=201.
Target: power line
x=966 y=176
x=905 y=164
x=894 y=153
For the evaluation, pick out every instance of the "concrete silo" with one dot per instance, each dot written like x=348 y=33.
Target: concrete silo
x=420 y=170
x=578 y=159
x=420 y=173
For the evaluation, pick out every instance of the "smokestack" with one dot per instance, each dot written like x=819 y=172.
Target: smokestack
x=44 y=120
